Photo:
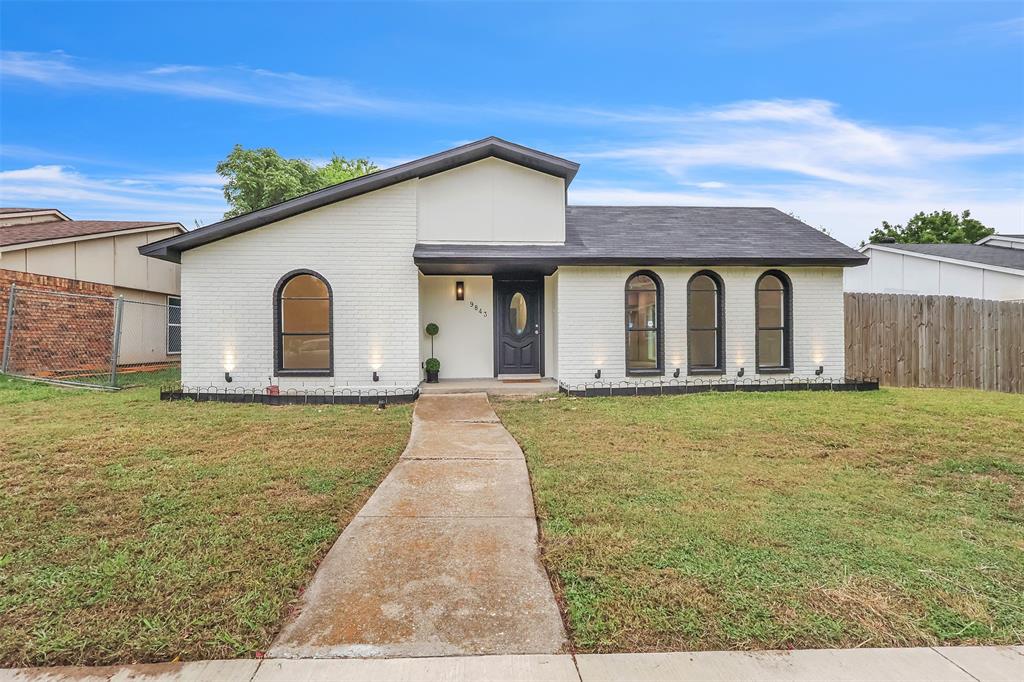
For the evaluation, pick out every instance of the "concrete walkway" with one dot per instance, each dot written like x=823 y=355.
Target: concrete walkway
x=939 y=664
x=443 y=559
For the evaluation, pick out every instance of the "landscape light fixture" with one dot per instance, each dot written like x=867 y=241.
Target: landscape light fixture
x=460 y=291
x=381 y=404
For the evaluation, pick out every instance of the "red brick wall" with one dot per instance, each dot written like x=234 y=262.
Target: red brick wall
x=54 y=335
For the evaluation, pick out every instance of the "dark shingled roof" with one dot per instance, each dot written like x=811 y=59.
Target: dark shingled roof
x=62 y=229
x=682 y=235
x=987 y=255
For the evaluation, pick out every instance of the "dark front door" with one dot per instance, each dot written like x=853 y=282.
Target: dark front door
x=517 y=338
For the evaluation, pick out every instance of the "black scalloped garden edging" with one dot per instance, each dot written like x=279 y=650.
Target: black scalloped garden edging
x=396 y=397
x=604 y=390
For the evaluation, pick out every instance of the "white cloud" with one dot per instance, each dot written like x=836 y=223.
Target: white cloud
x=234 y=84
x=170 y=196
x=803 y=156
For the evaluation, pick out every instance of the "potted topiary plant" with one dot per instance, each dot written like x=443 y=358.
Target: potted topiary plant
x=432 y=365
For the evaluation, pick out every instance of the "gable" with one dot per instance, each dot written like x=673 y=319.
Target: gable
x=491 y=201
x=171 y=249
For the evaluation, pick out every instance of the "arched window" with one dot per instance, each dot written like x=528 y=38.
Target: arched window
x=705 y=313
x=303 y=325
x=643 y=324
x=774 y=314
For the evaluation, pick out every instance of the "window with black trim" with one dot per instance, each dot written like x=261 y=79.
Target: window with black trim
x=643 y=324
x=774 y=323
x=174 y=325
x=705 y=313
x=303 y=325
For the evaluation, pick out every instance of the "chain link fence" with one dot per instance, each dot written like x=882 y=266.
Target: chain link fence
x=86 y=339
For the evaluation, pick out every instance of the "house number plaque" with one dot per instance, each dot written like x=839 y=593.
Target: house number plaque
x=474 y=306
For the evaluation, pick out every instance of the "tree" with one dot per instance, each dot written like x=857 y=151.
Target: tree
x=339 y=169
x=938 y=227
x=257 y=178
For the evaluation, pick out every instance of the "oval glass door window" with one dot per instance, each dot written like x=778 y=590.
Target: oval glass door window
x=517 y=313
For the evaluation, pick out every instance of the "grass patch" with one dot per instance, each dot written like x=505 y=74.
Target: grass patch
x=134 y=530
x=774 y=520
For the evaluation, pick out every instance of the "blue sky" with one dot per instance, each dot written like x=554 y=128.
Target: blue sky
x=844 y=114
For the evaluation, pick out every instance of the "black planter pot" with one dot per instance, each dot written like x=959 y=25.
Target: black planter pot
x=431 y=377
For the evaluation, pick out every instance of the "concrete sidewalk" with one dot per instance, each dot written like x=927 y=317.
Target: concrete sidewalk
x=443 y=559
x=938 y=664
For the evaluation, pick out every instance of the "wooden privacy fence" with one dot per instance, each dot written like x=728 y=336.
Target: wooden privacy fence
x=936 y=341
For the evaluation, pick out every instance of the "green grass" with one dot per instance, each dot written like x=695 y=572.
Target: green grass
x=134 y=530
x=746 y=521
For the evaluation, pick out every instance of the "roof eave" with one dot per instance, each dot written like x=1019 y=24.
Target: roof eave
x=547 y=261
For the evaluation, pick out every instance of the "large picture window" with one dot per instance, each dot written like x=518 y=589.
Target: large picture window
x=705 y=312
x=303 y=325
x=643 y=324
x=774 y=323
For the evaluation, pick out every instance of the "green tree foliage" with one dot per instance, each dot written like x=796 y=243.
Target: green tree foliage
x=257 y=178
x=339 y=169
x=938 y=227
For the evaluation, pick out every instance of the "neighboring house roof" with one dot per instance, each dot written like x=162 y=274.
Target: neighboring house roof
x=968 y=253
x=171 y=248
x=23 y=210
x=16 y=216
x=69 y=229
x=682 y=235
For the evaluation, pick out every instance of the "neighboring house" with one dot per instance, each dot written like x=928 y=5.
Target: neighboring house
x=334 y=288
x=41 y=248
x=992 y=268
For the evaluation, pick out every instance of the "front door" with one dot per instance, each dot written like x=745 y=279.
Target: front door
x=517 y=335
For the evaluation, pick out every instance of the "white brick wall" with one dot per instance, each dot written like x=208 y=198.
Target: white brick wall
x=363 y=247
x=591 y=311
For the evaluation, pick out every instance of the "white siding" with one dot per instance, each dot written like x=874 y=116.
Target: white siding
x=363 y=248
x=106 y=260
x=591 y=312
x=492 y=201
x=903 y=273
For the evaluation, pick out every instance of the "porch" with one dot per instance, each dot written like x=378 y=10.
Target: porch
x=506 y=386
x=494 y=329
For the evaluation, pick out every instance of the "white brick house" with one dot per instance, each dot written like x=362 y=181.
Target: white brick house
x=334 y=289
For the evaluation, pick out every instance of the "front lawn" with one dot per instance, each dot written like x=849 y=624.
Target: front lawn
x=774 y=520
x=138 y=530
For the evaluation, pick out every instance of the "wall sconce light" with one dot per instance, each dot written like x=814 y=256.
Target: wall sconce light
x=460 y=291
x=597 y=374
x=820 y=370
x=740 y=373
x=227 y=377
x=375 y=377
x=676 y=373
